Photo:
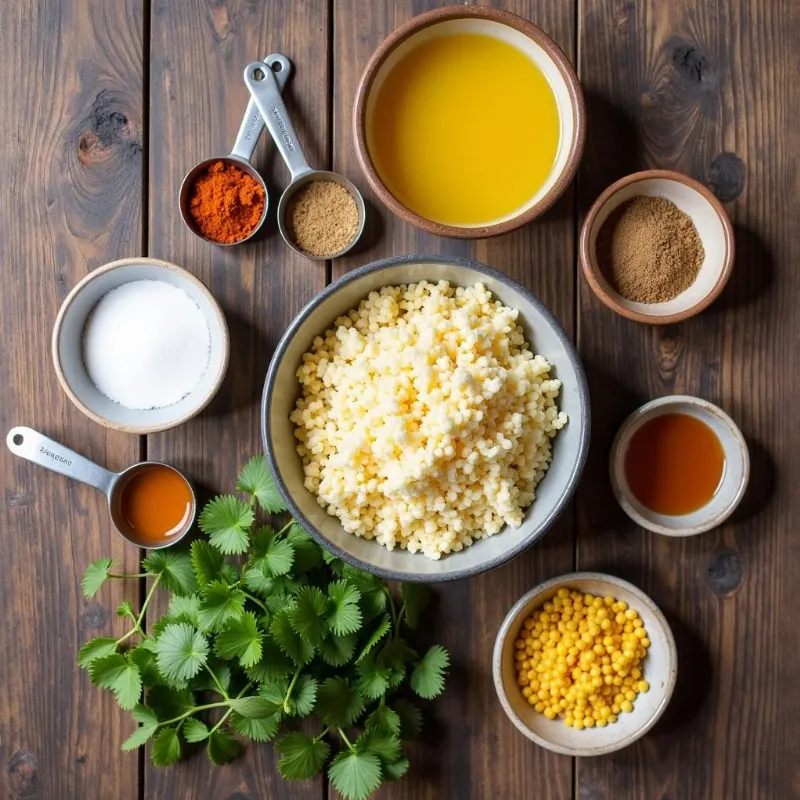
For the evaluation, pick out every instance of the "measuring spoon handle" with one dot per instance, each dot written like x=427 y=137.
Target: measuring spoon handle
x=33 y=446
x=253 y=122
x=265 y=92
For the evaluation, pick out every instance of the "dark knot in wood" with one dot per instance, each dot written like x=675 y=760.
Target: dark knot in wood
x=725 y=572
x=726 y=176
x=94 y=616
x=23 y=774
x=108 y=131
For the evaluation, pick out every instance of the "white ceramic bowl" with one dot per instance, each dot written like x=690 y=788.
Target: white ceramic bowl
x=67 y=346
x=660 y=670
x=713 y=227
x=544 y=334
x=734 y=480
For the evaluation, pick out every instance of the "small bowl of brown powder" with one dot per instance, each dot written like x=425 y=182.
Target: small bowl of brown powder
x=657 y=247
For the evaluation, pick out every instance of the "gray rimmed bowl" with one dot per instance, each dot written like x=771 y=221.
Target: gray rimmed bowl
x=542 y=332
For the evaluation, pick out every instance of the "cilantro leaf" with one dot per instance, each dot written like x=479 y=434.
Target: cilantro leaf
x=147 y=727
x=253 y=707
x=271 y=555
x=168 y=703
x=145 y=659
x=344 y=614
x=427 y=679
x=227 y=521
x=229 y=573
x=118 y=673
x=203 y=682
x=96 y=648
x=125 y=610
x=303 y=756
x=410 y=718
x=386 y=746
x=274 y=663
x=242 y=638
x=256 y=479
x=355 y=775
x=416 y=597
x=373 y=681
x=194 y=730
x=307 y=553
x=275 y=692
x=181 y=651
x=395 y=654
x=174 y=568
x=338 y=703
x=337 y=650
x=220 y=604
x=166 y=748
x=256 y=581
x=95 y=576
x=297 y=648
x=384 y=626
x=259 y=730
x=384 y=719
x=184 y=609
x=303 y=697
x=307 y=615
x=207 y=562
x=395 y=770
x=222 y=747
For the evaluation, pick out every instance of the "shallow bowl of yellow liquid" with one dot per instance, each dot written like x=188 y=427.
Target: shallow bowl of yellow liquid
x=469 y=121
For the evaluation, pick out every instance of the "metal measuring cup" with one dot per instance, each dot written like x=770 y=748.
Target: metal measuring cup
x=37 y=448
x=240 y=155
x=265 y=91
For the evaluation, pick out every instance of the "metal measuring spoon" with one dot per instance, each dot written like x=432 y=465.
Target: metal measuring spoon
x=37 y=448
x=265 y=91
x=240 y=155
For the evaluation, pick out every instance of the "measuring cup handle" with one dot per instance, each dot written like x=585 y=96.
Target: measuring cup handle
x=33 y=446
x=264 y=90
x=253 y=122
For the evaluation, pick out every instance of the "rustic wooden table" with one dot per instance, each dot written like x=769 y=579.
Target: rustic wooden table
x=105 y=104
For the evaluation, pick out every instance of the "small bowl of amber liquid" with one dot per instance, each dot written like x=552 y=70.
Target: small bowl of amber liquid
x=679 y=466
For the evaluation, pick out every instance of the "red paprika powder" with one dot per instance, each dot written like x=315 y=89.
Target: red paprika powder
x=226 y=203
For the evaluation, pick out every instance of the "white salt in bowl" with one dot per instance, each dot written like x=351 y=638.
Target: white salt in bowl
x=67 y=346
x=713 y=227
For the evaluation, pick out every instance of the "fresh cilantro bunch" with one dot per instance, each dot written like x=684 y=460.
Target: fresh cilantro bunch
x=282 y=631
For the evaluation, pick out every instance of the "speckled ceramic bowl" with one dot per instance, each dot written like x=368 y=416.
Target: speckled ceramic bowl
x=660 y=670
x=282 y=389
x=734 y=479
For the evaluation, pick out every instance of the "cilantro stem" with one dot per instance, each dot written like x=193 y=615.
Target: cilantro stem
x=401 y=615
x=192 y=711
x=321 y=735
x=255 y=600
x=289 y=690
x=128 y=635
x=147 y=601
x=346 y=740
x=393 y=610
x=217 y=682
x=287 y=525
x=229 y=711
x=127 y=575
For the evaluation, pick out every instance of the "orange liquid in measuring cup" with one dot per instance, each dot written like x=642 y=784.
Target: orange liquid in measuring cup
x=674 y=464
x=156 y=504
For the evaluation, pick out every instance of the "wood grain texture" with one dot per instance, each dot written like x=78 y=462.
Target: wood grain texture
x=71 y=166
x=198 y=54
x=707 y=90
x=469 y=749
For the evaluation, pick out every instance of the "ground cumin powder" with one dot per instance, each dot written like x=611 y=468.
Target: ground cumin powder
x=649 y=250
x=322 y=218
x=226 y=203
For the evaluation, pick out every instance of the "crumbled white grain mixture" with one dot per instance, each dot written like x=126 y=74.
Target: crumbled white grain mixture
x=425 y=421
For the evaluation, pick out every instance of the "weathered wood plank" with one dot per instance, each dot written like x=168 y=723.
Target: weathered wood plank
x=707 y=90
x=71 y=168
x=470 y=749
x=199 y=51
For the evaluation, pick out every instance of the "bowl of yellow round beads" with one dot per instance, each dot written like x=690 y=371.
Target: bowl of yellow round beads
x=584 y=664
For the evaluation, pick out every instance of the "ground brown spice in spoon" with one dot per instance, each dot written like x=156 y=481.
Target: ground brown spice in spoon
x=649 y=250
x=322 y=218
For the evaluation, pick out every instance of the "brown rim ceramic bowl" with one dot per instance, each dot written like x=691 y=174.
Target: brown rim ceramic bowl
x=712 y=225
x=659 y=669
x=67 y=346
x=525 y=36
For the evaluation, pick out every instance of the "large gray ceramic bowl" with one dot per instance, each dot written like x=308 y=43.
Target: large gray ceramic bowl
x=545 y=336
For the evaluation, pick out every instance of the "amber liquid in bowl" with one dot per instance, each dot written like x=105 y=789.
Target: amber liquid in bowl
x=674 y=464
